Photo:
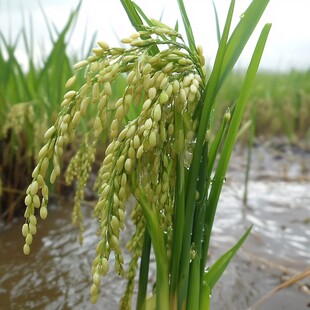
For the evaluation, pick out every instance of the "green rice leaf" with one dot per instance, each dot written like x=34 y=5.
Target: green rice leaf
x=233 y=130
x=176 y=26
x=144 y=270
x=157 y=237
x=12 y=74
x=241 y=35
x=209 y=96
x=47 y=23
x=187 y=25
x=132 y=13
x=57 y=68
x=142 y=14
x=218 y=30
x=213 y=274
x=209 y=93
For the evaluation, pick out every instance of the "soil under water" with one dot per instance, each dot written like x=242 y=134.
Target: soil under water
x=56 y=275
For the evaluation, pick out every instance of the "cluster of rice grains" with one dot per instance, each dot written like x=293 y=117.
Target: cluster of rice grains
x=140 y=158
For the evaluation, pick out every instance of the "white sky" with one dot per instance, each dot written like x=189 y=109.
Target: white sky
x=288 y=45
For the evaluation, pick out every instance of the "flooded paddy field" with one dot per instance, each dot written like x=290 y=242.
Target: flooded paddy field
x=56 y=275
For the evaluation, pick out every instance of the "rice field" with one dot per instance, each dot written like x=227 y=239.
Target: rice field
x=282 y=101
x=155 y=124
x=30 y=100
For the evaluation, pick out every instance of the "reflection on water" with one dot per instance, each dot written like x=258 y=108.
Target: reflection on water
x=56 y=275
x=278 y=227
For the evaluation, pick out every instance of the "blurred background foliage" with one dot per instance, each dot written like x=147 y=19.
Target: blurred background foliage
x=30 y=101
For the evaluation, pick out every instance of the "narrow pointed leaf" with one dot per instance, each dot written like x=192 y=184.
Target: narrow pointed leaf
x=241 y=35
x=143 y=15
x=218 y=30
x=217 y=269
x=209 y=96
x=187 y=25
x=233 y=130
x=132 y=14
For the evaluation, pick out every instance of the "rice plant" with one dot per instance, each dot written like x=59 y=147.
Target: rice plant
x=162 y=151
x=29 y=101
x=282 y=101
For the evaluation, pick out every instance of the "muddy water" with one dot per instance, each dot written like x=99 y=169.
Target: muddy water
x=57 y=273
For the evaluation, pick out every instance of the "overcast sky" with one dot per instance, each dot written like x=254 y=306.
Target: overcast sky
x=288 y=45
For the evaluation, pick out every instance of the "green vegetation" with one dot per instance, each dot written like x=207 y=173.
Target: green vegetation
x=30 y=101
x=151 y=123
x=162 y=150
x=283 y=103
x=282 y=99
x=29 y=104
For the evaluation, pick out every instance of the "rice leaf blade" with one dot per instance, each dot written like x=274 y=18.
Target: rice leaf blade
x=241 y=35
x=233 y=130
x=187 y=25
x=136 y=21
x=218 y=30
x=143 y=15
x=144 y=270
x=209 y=96
x=214 y=273
x=132 y=13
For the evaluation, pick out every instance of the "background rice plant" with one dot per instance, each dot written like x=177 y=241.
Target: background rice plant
x=282 y=101
x=29 y=103
x=30 y=99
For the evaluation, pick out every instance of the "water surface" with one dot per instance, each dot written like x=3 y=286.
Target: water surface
x=57 y=273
